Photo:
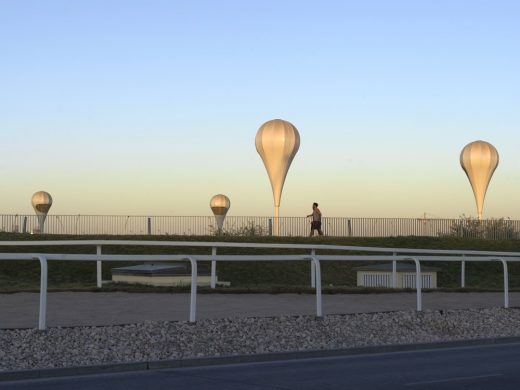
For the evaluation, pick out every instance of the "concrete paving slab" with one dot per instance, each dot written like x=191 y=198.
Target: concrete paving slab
x=20 y=310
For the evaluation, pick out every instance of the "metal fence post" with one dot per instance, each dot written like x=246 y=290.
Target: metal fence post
x=42 y=319
x=506 y=283
x=462 y=273
x=149 y=226
x=270 y=226
x=418 y=283
x=394 y=272
x=193 y=292
x=319 y=311
x=313 y=269
x=213 y=268
x=99 y=268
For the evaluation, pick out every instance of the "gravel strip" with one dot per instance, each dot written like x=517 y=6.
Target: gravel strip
x=23 y=349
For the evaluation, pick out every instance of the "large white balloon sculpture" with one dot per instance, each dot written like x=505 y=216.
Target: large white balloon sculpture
x=479 y=160
x=277 y=142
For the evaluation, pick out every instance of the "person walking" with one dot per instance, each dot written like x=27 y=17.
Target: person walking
x=316 y=220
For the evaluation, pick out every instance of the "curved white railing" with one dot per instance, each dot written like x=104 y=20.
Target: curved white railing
x=214 y=245
x=397 y=254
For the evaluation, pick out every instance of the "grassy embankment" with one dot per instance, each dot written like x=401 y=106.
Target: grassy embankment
x=257 y=276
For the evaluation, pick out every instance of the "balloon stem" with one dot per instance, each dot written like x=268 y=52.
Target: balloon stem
x=276 y=220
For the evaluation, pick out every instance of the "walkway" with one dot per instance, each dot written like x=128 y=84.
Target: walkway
x=20 y=310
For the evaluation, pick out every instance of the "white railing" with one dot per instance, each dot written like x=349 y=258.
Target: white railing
x=397 y=254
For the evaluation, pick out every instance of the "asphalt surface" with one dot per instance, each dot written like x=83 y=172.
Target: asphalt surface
x=476 y=367
x=20 y=310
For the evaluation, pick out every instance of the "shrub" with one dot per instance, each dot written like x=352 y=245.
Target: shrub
x=493 y=229
x=249 y=230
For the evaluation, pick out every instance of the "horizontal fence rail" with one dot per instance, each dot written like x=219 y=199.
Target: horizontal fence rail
x=260 y=226
x=392 y=255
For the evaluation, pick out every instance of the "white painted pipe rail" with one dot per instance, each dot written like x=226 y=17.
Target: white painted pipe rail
x=193 y=289
x=462 y=273
x=215 y=245
x=213 y=268
x=313 y=270
x=506 y=283
x=425 y=255
x=99 y=269
x=42 y=318
x=42 y=321
x=317 y=280
x=394 y=273
x=418 y=283
x=415 y=251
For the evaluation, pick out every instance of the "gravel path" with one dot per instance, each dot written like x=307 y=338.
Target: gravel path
x=22 y=349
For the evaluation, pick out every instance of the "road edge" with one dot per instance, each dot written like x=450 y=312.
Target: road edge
x=237 y=359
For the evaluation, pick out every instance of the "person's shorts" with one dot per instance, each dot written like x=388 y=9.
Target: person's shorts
x=316 y=225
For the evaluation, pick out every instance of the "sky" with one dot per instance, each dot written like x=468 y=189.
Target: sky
x=124 y=107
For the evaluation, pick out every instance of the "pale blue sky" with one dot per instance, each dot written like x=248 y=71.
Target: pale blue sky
x=151 y=107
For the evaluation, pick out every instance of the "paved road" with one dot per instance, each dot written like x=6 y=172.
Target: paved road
x=20 y=310
x=482 y=367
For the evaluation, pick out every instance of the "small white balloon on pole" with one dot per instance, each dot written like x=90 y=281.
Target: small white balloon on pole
x=220 y=205
x=277 y=142
x=41 y=202
x=479 y=160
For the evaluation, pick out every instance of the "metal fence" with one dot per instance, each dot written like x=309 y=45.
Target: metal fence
x=261 y=226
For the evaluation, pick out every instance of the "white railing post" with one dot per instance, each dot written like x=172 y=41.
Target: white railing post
x=506 y=283
x=99 y=268
x=193 y=292
x=213 y=268
x=42 y=319
x=462 y=273
x=313 y=269
x=319 y=310
x=418 y=283
x=394 y=272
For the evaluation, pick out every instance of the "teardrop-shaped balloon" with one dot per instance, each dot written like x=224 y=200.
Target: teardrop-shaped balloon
x=479 y=160
x=220 y=205
x=41 y=202
x=277 y=142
